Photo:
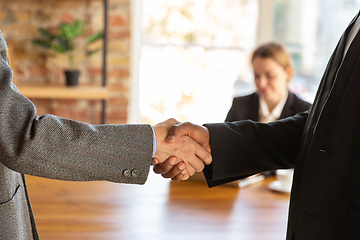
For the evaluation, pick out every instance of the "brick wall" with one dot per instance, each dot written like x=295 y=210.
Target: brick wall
x=19 y=21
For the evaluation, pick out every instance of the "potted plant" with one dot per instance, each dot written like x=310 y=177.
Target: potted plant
x=63 y=42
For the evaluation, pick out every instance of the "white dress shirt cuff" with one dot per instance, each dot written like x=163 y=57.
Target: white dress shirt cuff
x=154 y=141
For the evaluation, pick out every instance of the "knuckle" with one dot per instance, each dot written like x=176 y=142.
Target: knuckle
x=165 y=175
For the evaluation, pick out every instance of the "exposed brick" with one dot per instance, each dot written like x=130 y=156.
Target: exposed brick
x=117 y=117
x=20 y=21
x=95 y=72
x=118 y=61
x=117 y=86
x=117 y=101
x=42 y=106
x=117 y=46
x=118 y=21
x=19 y=71
x=67 y=18
x=23 y=29
x=36 y=71
x=62 y=113
x=42 y=16
x=118 y=34
x=67 y=102
x=119 y=73
x=80 y=115
x=2 y=15
x=70 y=4
x=22 y=16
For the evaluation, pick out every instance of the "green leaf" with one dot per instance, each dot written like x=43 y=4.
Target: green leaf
x=65 y=44
x=72 y=30
x=94 y=37
x=41 y=43
x=46 y=35
x=91 y=52
x=58 y=48
x=63 y=41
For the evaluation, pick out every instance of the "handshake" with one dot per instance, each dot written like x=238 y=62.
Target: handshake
x=182 y=149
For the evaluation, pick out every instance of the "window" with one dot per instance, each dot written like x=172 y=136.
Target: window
x=192 y=54
x=310 y=30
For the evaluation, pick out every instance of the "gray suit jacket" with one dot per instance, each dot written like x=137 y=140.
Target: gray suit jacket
x=58 y=148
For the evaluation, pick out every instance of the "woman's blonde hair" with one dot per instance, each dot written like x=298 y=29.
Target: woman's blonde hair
x=275 y=51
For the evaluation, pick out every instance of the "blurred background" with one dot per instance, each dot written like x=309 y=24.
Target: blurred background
x=194 y=55
x=184 y=59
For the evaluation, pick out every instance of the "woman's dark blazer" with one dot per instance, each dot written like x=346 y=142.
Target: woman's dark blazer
x=247 y=107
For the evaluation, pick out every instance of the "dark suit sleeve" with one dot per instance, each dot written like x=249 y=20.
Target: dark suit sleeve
x=243 y=148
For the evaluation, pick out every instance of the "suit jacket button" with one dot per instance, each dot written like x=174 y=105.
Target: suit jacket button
x=127 y=173
x=135 y=173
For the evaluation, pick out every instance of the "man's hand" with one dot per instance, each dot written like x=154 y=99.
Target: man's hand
x=199 y=133
x=183 y=147
x=173 y=168
x=161 y=131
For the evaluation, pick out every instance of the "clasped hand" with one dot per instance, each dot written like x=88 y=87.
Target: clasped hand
x=182 y=149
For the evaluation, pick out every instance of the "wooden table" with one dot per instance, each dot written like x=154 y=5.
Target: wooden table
x=159 y=210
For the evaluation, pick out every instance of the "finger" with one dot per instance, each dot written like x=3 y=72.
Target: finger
x=166 y=166
x=179 y=130
x=178 y=169
x=185 y=177
x=204 y=155
x=177 y=178
x=155 y=161
x=191 y=169
x=191 y=156
x=197 y=165
x=181 y=176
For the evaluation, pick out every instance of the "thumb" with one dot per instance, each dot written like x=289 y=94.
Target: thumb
x=173 y=134
x=178 y=130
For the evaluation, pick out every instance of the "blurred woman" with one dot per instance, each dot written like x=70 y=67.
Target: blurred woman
x=272 y=100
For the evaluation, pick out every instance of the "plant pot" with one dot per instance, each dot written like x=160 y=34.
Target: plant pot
x=72 y=77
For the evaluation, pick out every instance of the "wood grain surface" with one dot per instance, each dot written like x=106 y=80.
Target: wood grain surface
x=159 y=210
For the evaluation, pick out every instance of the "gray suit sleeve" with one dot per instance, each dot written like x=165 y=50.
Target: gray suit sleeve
x=58 y=148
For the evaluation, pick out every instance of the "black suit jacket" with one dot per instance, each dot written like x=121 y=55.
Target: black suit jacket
x=322 y=145
x=247 y=107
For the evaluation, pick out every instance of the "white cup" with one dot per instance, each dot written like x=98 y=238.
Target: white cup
x=285 y=177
